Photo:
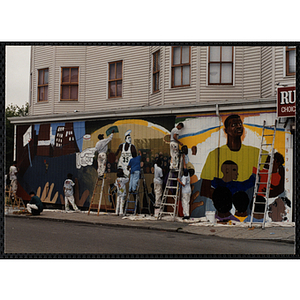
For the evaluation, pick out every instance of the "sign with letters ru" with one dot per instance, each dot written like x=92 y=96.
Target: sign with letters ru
x=286 y=102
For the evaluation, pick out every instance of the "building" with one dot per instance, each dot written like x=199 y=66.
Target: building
x=149 y=89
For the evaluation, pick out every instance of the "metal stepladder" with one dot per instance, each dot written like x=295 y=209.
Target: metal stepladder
x=98 y=190
x=171 y=191
x=266 y=181
x=136 y=201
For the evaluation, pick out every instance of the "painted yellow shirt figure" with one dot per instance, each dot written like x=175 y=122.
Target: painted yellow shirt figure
x=246 y=158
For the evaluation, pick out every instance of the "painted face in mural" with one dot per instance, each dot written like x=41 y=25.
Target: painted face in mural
x=128 y=139
x=235 y=127
x=230 y=171
x=277 y=210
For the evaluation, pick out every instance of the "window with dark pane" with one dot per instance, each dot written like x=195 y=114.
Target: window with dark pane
x=156 y=71
x=290 y=53
x=69 y=83
x=181 y=57
x=115 y=79
x=43 y=75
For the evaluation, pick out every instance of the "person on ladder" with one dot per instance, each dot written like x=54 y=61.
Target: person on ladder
x=135 y=170
x=174 y=148
x=120 y=183
x=101 y=149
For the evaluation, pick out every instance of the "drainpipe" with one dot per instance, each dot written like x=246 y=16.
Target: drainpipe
x=218 y=115
x=15 y=145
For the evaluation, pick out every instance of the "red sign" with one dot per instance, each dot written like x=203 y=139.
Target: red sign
x=286 y=101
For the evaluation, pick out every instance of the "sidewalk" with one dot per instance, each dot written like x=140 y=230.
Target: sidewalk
x=274 y=231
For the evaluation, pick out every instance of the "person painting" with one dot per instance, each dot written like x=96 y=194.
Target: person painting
x=101 y=149
x=120 y=183
x=69 y=193
x=13 y=171
x=174 y=146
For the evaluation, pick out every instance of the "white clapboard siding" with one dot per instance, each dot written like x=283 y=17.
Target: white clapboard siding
x=70 y=56
x=179 y=95
x=267 y=71
x=42 y=58
x=251 y=65
x=135 y=89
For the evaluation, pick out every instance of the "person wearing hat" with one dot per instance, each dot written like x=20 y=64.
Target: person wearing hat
x=127 y=151
x=101 y=149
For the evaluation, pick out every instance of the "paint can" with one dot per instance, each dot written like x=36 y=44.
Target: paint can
x=210 y=216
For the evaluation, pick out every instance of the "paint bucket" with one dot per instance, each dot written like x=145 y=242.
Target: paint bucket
x=210 y=216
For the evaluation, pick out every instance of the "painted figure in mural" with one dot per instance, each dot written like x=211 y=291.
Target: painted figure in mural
x=158 y=182
x=120 y=183
x=245 y=157
x=174 y=148
x=222 y=200
x=240 y=201
x=13 y=170
x=278 y=209
x=69 y=193
x=35 y=205
x=127 y=150
x=134 y=166
x=230 y=175
x=186 y=193
x=101 y=149
x=277 y=182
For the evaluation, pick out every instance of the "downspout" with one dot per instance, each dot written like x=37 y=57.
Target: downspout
x=15 y=145
x=219 y=139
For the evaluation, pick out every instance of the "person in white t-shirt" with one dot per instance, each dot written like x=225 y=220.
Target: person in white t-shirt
x=120 y=183
x=101 y=148
x=186 y=193
x=69 y=193
x=13 y=170
x=174 y=148
x=158 y=182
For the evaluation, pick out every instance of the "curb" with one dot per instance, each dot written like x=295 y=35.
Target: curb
x=147 y=227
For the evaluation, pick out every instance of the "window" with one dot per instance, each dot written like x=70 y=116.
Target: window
x=115 y=79
x=290 y=53
x=155 y=72
x=69 y=83
x=220 y=65
x=181 y=66
x=43 y=85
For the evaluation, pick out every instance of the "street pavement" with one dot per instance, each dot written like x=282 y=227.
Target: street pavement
x=273 y=231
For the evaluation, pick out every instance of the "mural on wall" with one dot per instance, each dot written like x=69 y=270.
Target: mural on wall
x=56 y=149
x=223 y=152
x=226 y=162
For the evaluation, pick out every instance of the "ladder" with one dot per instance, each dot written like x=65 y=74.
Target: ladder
x=135 y=201
x=171 y=191
x=258 y=180
x=145 y=193
x=99 y=184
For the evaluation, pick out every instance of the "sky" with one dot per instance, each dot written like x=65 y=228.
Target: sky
x=17 y=75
